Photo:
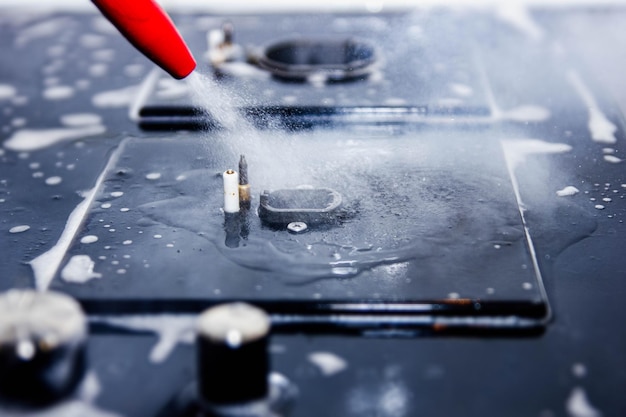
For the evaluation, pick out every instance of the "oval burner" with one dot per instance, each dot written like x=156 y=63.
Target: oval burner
x=331 y=59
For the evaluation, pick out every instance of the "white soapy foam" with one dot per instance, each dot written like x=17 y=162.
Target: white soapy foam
x=602 y=130
x=59 y=92
x=526 y=113
x=89 y=239
x=451 y=102
x=169 y=88
x=516 y=151
x=517 y=15
x=327 y=362
x=46 y=29
x=54 y=180
x=35 y=139
x=19 y=229
x=153 y=176
x=81 y=119
x=46 y=265
x=115 y=98
x=568 y=191
x=7 y=92
x=170 y=329
x=461 y=89
x=90 y=40
x=612 y=159
x=393 y=101
x=578 y=405
x=98 y=70
x=244 y=70
x=133 y=70
x=69 y=408
x=79 y=269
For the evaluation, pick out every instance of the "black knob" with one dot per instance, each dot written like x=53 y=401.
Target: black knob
x=42 y=346
x=233 y=363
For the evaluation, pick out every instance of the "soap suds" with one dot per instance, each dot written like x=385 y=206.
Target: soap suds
x=35 y=139
x=168 y=88
x=89 y=239
x=54 y=180
x=46 y=29
x=153 y=176
x=612 y=159
x=461 y=90
x=602 y=130
x=170 y=329
x=47 y=264
x=517 y=15
x=81 y=119
x=60 y=92
x=526 y=113
x=115 y=98
x=19 y=229
x=7 y=92
x=79 y=269
x=568 y=191
x=578 y=405
x=328 y=363
x=516 y=151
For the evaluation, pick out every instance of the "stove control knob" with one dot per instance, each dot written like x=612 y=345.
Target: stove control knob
x=232 y=354
x=42 y=346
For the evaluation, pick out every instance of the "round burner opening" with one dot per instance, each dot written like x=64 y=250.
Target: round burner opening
x=332 y=59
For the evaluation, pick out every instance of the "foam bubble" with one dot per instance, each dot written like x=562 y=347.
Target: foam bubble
x=80 y=119
x=568 y=191
x=89 y=239
x=79 y=269
x=60 y=92
x=19 y=229
x=327 y=362
x=7 y=92
x=35 y=139
x=54 y=180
